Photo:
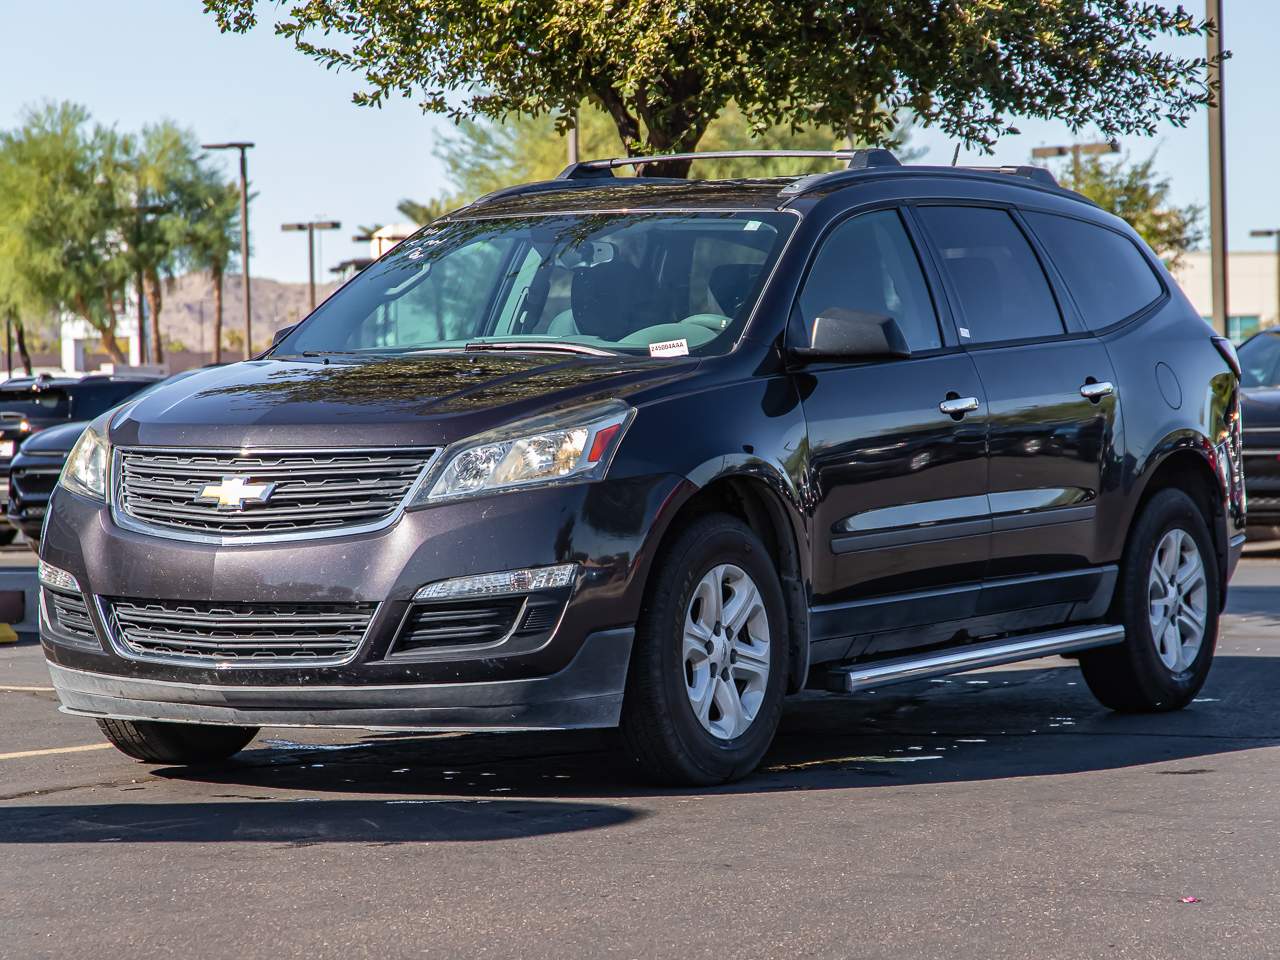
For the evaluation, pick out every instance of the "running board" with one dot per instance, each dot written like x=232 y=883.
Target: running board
x=940 y=663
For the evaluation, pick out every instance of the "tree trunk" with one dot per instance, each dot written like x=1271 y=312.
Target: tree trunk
x=216 y=275
x=155 y=300
x=112 y=347
x=22 y=347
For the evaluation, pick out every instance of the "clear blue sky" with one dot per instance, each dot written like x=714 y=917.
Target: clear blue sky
x=318 y=155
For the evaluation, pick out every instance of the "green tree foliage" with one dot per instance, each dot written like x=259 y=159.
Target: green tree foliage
x=1137 y=193
x=663 y=70
x=85 y=211
x=61 y=245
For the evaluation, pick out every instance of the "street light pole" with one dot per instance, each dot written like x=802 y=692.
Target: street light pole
x=1275 y=232
x=1217 y=170
x=244 y=234
x=1074 y=151
x=311 y=226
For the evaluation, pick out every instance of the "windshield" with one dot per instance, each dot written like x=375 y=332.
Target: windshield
x=1260 y=361
x=660 y=284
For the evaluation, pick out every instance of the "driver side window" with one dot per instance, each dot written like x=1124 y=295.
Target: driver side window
x=868 y=264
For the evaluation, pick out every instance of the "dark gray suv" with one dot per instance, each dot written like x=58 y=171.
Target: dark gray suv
x=653 y=454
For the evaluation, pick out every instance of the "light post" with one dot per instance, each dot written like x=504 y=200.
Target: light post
x=1217 y=170
x=1274 y=232
x=244 y=233
x=311 y=226
x=1074 y=151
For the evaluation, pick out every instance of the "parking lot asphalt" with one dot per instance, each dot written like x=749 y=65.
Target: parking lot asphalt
x=991 y=815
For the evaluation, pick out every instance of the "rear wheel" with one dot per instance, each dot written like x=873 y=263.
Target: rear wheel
x=1168 y=599
x=153 y=741
x=705 y=686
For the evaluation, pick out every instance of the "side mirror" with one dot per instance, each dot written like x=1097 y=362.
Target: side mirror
x=840 y=334
x=282 y=333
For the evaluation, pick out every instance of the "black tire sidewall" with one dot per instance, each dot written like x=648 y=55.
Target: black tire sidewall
x=706 y=544
x=1161 y=687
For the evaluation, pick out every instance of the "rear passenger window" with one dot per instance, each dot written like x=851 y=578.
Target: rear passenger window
x=1107 y=275
x=869 y=264
x=1001 y=286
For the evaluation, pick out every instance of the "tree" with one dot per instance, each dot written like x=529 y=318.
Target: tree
x=424 y=213
x=60 y=197
x=212 y=218
x=1136 y=193
x=662 y=70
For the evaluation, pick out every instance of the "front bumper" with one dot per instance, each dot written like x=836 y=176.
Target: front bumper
x=570 y=675
x=586 y=693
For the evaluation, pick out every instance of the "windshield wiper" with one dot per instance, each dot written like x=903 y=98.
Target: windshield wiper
x=534 y=346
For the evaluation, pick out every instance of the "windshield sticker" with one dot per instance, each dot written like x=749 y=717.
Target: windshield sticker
x=670 y=348
x=753 y=225
x=964 y=332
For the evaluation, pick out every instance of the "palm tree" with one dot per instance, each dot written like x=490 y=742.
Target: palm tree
x=213 y=236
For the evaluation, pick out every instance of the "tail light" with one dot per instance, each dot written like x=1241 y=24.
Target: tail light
x=1228 y=351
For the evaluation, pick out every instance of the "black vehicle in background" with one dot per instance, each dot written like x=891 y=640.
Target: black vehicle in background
x=652 y=454
x=1260 y=380
x=29 y=405
x=34 y=470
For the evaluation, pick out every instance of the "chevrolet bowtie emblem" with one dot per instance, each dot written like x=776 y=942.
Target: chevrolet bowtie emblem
x=234 y=492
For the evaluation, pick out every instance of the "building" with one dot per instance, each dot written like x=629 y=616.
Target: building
x=1252 y=289
x=380 y=241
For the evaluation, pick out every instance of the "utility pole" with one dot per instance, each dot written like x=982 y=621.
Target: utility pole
x=1217 y=170
x=1074 y=151
x=1274 y=232
x=311 y=226
x=244 y=234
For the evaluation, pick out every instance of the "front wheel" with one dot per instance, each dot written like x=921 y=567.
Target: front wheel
x=153 y=741
x=707 y=676
x=1168 y=600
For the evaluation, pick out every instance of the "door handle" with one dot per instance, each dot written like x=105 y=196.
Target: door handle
x=958 y=406
x=1095 y=391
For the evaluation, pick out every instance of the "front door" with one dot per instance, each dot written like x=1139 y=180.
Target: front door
x=897 y=484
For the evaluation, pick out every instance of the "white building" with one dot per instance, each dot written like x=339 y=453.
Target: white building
x=1251 y=289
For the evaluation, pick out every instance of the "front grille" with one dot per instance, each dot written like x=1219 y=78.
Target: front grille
x=70 y=614
x=267 y=633
x=1259 y=505
x=34 y=482
x=313 y=490
x=459 y=623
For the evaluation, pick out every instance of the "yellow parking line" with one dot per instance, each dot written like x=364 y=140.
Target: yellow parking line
x=52 y=750
x=28 y=689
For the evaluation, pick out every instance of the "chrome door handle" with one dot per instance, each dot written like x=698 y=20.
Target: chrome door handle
x=1096 y=391
x=958 y=406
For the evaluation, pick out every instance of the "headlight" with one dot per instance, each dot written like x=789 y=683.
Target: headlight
x=571 y=446
x=86 y=470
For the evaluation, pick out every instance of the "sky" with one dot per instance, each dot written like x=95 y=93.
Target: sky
x=318 y=156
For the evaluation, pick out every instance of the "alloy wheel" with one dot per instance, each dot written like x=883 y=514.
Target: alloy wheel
x=1177 y=595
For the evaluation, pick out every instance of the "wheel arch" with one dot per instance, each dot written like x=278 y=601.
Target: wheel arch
x=1188 y=462
x=762 y=498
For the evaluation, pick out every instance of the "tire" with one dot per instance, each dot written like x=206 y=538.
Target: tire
x=1137 y=676
x=178 y=744
x=7 y=535
x=660 y=723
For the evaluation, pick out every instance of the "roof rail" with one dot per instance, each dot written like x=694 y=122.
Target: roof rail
x=817 y=181
x=601 y=169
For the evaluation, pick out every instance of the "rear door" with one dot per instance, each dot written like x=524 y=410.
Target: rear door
x=900 y=529
x=1052 y=404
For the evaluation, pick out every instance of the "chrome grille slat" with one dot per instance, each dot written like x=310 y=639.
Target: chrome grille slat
x=316 y=492
x=220 y=632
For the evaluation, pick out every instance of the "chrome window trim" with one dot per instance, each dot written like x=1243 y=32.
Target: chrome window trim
x=123 y=520
x=121 y=648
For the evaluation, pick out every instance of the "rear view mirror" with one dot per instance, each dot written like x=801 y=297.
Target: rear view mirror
x=840 y=334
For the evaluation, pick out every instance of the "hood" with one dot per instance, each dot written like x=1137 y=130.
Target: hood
x=426 y=399
x=53 y=441
x=1261 y=408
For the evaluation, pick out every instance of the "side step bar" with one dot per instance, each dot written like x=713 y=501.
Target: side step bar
x=940 y=663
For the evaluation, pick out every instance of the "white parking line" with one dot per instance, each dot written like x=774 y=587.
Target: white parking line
x=48 y=751
x=29 y=689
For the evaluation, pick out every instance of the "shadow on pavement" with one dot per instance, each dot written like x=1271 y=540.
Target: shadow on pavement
x=1009 y=723
x=298 y=823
